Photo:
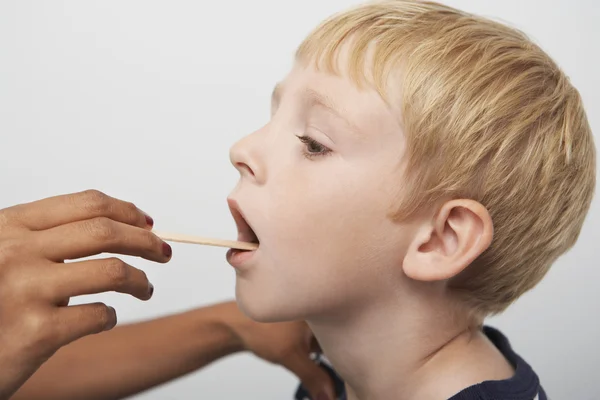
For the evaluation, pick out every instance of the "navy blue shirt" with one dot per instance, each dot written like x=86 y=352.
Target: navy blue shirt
x=523 y=385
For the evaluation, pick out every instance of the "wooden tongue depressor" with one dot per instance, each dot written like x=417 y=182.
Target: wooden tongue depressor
x=232 y=244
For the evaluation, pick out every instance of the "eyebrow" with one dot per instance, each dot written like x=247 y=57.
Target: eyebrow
x=316 y=98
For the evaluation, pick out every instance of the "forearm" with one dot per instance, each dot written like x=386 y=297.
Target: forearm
x=132 y=358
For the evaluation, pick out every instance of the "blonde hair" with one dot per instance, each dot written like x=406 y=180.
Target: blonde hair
x=488 y=116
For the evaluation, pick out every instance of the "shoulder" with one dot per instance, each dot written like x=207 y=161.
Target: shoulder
x=523 y=385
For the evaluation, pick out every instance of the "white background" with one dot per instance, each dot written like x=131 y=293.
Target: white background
x=142 y=100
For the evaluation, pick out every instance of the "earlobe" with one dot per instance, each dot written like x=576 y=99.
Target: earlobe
x=449 y=242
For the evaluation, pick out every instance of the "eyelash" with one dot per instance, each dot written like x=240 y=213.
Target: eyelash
x=308 y=142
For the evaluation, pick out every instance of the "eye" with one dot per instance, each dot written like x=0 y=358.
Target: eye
x=313 y=148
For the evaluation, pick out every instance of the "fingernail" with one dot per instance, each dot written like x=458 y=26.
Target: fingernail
x=112 y=322
x=150 y=290
x=167 y=251
x=149 y=220
x=322 y=396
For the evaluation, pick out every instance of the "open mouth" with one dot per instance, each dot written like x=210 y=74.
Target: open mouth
x=245 y=231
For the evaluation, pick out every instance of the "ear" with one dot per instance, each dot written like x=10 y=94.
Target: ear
x=449 y=242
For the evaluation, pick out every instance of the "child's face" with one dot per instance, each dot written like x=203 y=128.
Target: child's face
x=319 y=205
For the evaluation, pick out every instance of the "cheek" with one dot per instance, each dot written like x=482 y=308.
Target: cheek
x=325 y=227
x=326 y=243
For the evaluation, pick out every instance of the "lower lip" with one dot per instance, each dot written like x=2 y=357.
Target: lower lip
x=237 y=258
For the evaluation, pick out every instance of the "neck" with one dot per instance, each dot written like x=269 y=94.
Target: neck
x=394 y=348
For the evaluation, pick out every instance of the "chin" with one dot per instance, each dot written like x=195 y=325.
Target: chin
x=264 y=305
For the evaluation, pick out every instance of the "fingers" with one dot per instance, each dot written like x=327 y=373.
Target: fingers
x=100 y=235
x=314 y=378
x=74 y=322
x=97 y=276
x=59 y=210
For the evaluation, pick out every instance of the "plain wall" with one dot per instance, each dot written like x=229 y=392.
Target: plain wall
x=142 y=100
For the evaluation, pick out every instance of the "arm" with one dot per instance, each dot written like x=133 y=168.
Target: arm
x=136 y=357
x=133 y=358
x=36 y=285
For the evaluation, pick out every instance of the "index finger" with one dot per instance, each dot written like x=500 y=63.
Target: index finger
x=60 y=210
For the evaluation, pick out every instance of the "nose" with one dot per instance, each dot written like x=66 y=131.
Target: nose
x=246 y=157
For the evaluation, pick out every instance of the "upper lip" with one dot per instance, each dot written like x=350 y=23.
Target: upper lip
x=245 y=231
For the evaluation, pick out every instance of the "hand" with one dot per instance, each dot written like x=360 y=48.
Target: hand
x=288 y=344
x=36 y=284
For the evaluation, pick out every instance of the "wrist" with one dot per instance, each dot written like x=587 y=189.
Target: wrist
x=15 y=374
x=232 y=319
x=205 y=332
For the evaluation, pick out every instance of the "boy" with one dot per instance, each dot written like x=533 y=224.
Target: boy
x=422 y=169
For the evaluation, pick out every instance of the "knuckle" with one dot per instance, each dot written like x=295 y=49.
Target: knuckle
x=16 y=285
x=4 y=219
x=131 y=211
x=33 y=321
x=102 y=229
x=36 y=327
x=10 y=249
x=144 y=276
x=10 y=216
x=117 y=271
x=150 y=240
x=94 y=201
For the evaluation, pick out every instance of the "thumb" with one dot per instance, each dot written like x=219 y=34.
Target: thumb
x=314 y=378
